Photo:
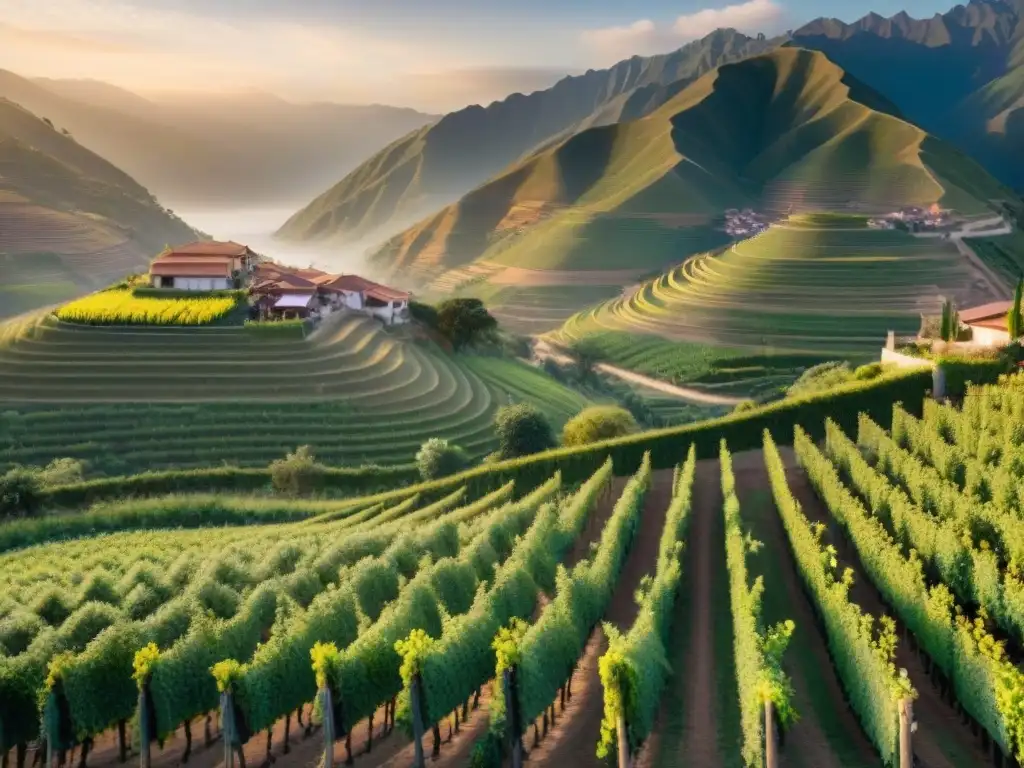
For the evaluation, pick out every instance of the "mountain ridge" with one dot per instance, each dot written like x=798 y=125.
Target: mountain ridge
x=220 y=149
x=70 y=221
x=439 y=163
x=986 y=36
x=784 y=130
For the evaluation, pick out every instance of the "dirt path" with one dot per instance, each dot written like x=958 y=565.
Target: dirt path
x=697 y=725
x=827 y=735
x=574 y=738
x=543 y=350
x=941 y=740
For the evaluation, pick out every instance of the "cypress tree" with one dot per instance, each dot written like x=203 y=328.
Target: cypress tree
x=1014 y=321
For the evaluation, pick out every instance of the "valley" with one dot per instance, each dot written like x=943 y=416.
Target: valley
x=671 y=415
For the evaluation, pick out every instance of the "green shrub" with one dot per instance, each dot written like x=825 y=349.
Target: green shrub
x=820 y=378
x=423 y=313
x=867 y=372
x=438 y=458
x=522 y=430
x=20 y=493
x=62 y=472
x=745 y=405
x=600 y=422
x=297 y=473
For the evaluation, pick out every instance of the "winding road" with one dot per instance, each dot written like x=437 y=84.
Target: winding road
x=542 y=350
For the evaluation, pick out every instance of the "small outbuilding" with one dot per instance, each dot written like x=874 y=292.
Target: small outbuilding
x=988 y=323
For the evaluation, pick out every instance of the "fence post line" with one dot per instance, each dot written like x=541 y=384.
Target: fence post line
x=227 y=724
x=417 y=721
x=145 y=737
x=771 y=749
x=327 y=706
x=906 y=707
x=623 y=739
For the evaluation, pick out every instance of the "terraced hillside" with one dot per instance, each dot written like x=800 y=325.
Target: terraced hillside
x=784 y=132
x=816 y=284
x=69 y=221
x=131 y=399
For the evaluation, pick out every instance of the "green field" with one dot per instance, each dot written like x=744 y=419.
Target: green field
x=131 y=399
x=1004 y=254
x=538 y=309
x=806 y=286
x=847 y=534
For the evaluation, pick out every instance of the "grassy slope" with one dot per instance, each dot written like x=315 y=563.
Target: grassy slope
x=69 y=220
x=813 y=287
x=139 y=398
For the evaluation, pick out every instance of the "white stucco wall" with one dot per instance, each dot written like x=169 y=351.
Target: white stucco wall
x=989 y=337
x=201 y=283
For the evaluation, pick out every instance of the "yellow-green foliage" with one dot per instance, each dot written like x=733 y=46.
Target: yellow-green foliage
x=601 y=422
x=122 y=308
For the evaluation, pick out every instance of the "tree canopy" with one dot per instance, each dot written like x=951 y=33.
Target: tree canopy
x=465 y=322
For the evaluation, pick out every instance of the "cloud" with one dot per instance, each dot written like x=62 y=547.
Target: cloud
x=64 y=41
x=751 y=16
x=134 y=45
x=645 y=37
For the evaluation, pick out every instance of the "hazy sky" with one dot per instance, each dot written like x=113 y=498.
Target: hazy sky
x=434 y=55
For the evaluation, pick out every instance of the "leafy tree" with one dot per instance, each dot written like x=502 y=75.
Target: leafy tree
x=465 y=322
x=522 y=429
x=297 y=473
x=424 y=313
x=1014 y=321
x=20 y=493
x=600 y=422
x=439 y=458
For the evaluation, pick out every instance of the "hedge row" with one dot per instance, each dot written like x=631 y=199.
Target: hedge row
x=961 y=371
x=350 y=481
x=741 y=430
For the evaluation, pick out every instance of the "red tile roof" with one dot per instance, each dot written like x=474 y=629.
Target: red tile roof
x=383 y=293
x=985 y=312
x=209 y=248
x=344 y=283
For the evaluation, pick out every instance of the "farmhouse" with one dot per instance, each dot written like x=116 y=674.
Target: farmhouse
x=988 y=323
x=283 y=292
x=202 y=266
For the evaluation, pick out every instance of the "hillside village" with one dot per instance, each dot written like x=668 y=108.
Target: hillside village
x=915 y=219
x=276 y=291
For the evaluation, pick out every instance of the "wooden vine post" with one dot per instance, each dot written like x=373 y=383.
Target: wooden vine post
x=145 y=737
x=623 y=740
x=227 y=724
x=771 y=747
x=515 y=730
x=415 y=688
x=327 y=707
x=906 y=708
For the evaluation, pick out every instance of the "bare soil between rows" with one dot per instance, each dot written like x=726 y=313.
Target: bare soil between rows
x=573 y=740
x=942 y=739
